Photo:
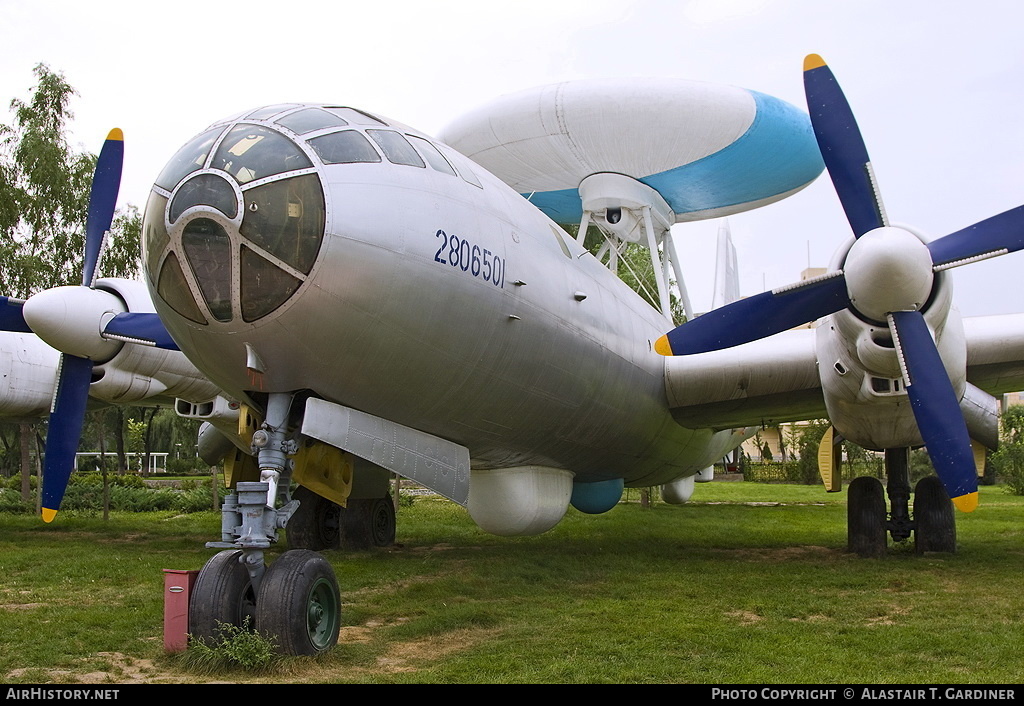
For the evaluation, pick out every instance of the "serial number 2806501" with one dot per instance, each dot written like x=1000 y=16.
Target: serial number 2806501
x=459 y=252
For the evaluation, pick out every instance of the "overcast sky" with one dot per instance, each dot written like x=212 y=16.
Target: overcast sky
x=937 y=87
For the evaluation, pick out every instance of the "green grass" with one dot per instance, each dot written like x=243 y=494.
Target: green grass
x=725 y=589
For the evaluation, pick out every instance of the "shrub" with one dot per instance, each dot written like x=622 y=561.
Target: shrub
x=234 y=648
x=1009 y=459
x=194 y=500
x=14 y=482
x=10 y=501
x=187 y=466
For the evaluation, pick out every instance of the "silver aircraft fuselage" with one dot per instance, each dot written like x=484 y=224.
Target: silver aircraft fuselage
x=446 y=304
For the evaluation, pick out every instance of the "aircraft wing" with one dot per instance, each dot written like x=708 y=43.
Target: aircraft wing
x=767 y=381
x=995 y=352
x=776 y=379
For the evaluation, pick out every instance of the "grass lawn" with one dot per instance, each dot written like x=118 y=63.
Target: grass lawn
x=749 y=583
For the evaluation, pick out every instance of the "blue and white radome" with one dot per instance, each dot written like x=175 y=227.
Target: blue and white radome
x=709 y=150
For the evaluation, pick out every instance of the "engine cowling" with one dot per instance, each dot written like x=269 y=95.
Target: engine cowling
x=138 y=373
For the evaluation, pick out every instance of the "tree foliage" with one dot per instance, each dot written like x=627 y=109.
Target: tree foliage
x=44 y=203
x=1009 y=459
x=635 y=269
x=44 y=197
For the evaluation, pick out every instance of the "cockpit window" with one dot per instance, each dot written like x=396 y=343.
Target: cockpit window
x=208 y=249
x=309 y=120
x=356 y=117
x=208 y=190
x=396 y=148
x=286 y=218
x=465 y=171
x=434 y=158
x=263 y=285
x=251 y=152
x=345 y=147
x=270 y=111
x=154 y=232
x=173 y=289
x=188 y=159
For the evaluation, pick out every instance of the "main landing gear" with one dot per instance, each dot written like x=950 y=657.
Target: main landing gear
x=320 y=524
x=932 y=524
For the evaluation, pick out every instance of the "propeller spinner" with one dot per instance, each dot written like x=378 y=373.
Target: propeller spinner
x=887 y=277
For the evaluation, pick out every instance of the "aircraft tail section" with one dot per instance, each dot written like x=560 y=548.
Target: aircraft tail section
x=727 y=275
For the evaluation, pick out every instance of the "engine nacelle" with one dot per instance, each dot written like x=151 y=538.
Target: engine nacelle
x=860 y=372
x=28 y=374
x=137 y=373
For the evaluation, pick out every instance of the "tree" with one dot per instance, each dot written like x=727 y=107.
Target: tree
x=807 y=449
x=44 y=197
x=44 y=201
x=1009 y=459
x=635 y=269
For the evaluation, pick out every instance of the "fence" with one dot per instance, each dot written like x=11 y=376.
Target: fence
x=157 y=460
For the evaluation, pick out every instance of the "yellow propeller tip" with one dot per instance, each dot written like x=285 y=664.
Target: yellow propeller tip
x=48 y=514
x=966 y=503
x=662 y=346
x=116 y=134
x=813 y=61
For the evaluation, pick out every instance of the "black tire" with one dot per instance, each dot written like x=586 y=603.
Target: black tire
x=222 y=594
x=865 y=517
x=934 y=519
x=356 y=525
x=382 y=522
x=299 y=603
x=316 y=525
x=368 y=523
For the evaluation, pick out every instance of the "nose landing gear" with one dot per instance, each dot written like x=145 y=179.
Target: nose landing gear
x=296 y=599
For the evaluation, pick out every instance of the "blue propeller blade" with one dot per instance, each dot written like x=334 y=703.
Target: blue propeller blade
x=74 y=375
x=842 y=147
x=998 y=233
x=757 y=317
x=106 y=182
x=11 y=316
x=65 y=429
x=144 y=328
x=936 y=409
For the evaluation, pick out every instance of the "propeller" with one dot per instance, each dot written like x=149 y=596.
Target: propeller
x=69 y=318
x=886 y=278
x=67 y=414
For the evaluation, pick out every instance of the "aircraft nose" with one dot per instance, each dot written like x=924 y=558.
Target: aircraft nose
x=235 y=222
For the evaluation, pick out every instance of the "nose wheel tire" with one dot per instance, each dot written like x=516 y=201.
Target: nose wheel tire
x=865 y=517
x=299 y=603
x=223 y=594
x=934 y=517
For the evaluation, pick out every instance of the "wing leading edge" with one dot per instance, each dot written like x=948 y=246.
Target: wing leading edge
x=776 y=379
